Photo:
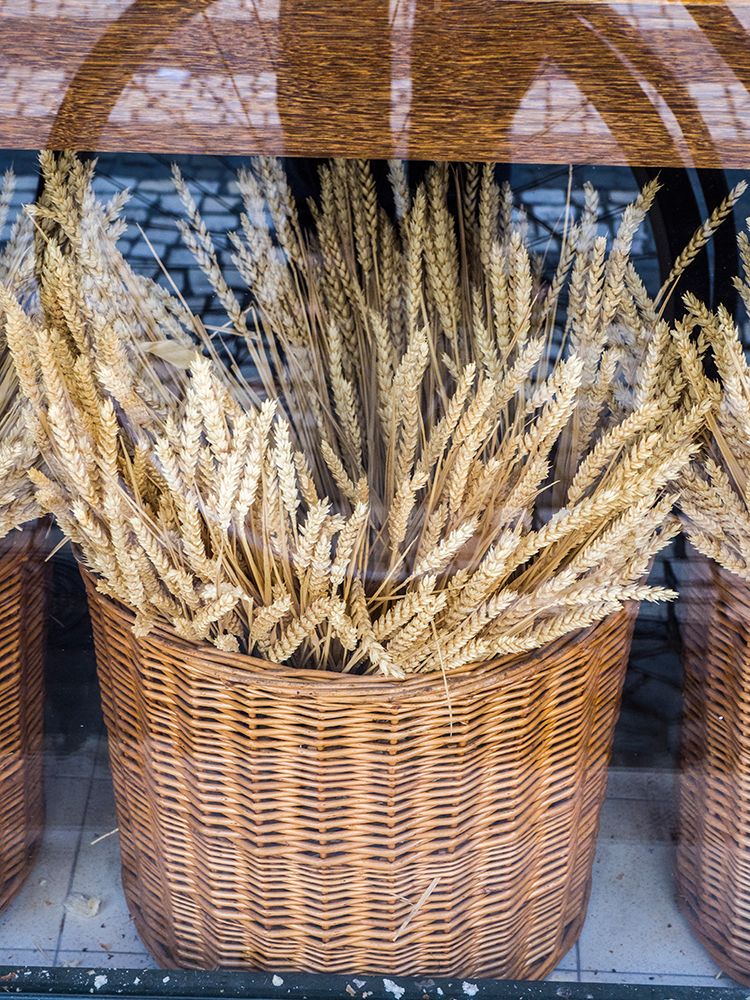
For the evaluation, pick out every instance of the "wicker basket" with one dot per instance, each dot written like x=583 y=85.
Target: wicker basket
x=713 y=858
x=279 y=818
x=22 y=632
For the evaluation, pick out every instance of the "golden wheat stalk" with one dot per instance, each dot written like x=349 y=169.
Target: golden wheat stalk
x=715 y=501
x=409 y=475
x=18 y=451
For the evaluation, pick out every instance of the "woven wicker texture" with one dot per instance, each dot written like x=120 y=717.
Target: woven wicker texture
x=713 y=858
x=287 y=819
x=22 y=635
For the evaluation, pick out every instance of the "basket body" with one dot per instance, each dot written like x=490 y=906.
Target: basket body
x=22 y=636
x=278 y=818
x=713 y=857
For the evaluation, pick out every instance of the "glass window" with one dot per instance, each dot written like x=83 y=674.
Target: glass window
x=373 y=497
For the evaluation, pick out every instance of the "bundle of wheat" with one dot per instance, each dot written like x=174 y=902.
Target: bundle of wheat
x=716 y=488
x=415 y=477
x=18 y=452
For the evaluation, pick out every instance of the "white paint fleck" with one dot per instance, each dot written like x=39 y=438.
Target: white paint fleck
x=440 y=991
x=359 y=983
x=470 y=989
x=136 y=980
x=100 y=981
x=277 y=981
x=394 y=988
x=165 y=979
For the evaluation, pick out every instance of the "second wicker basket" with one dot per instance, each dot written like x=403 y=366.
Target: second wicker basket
x=22 y=632
x=713 y=858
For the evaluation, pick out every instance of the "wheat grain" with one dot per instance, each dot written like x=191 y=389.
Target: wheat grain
x=416 y=475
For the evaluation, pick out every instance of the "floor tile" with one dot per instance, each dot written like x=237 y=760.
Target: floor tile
x=641 y=821
x=20 y=956
x=633 y=923
x=61 y=760
x=653 y=979
x=32 y=920
x=569 y=961
x=101 y=763
x=105 y=960
x=632 y=783
x=97 y=876
x=563 y=976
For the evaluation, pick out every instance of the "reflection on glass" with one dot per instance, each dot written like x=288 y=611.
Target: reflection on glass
x=649 y=82
x=361 y=654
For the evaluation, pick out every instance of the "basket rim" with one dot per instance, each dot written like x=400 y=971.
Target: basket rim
x=244 y=669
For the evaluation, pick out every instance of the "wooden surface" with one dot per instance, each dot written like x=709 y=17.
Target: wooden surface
x=655 y=82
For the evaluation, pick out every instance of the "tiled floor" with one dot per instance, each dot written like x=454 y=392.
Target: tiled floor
x=633 y=933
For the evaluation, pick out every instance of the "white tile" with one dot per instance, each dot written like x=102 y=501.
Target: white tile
x=21 y=957
x=722 y=981
x=569 y=961
x=563 y=976
x=97 y=874
x=60 y=762
x=639 y=821
x=32 y=919
x=652 y=979
x=101 y=763
x=633 y=924
x=636 y=783
x=105 y=960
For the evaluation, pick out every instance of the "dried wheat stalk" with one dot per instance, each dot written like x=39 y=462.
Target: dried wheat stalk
x=715 y=501
x=18 y=452
x=416 y=477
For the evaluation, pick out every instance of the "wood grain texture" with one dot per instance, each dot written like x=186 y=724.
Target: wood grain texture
x=644 y=83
